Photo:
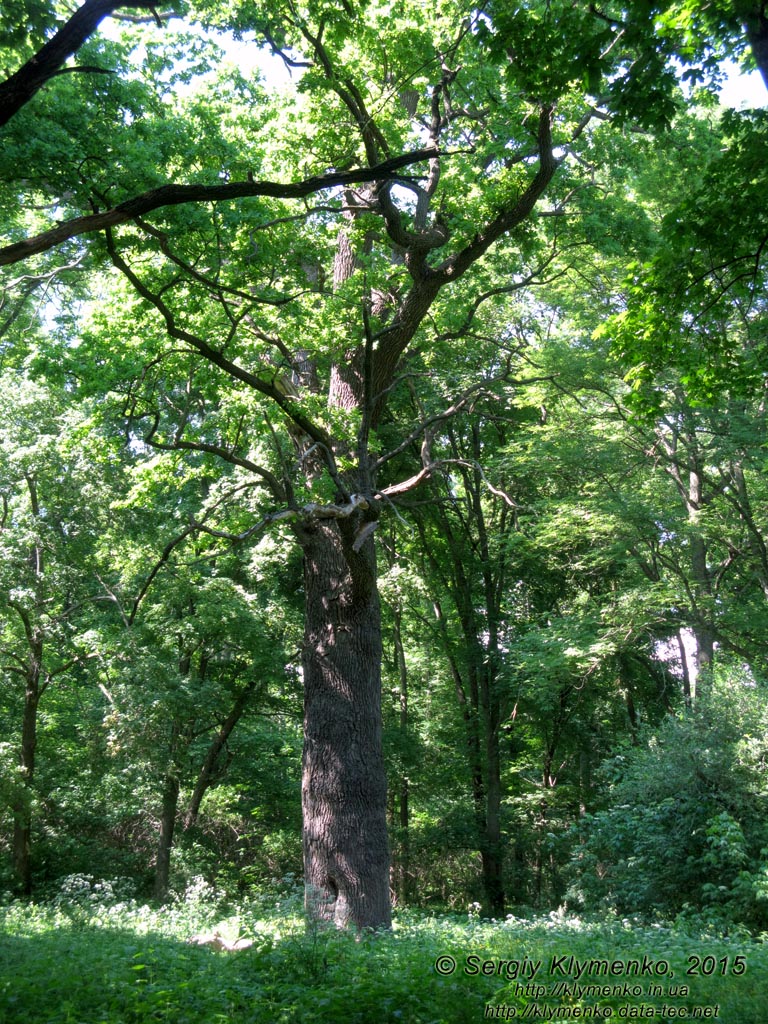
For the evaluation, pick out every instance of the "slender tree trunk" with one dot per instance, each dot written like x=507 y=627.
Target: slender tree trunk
x=169 y=805
x=207 y=771
x=33 y=691
x=489 y=663
x=687 y=694
x=168 y=808
x=22 y=812
x=702 y=627
x=685 y=466
x=491 y=851
x=404 y=867
x=626 y=686
x=542 y=823
x=481 y=713
x=346 y=850
x=403 y=872
x=585 y=781
x=470 y=713
x=701 y=576
x=492 y=854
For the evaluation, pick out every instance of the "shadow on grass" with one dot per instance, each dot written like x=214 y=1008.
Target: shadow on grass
x=82 y=974
x=95 y=975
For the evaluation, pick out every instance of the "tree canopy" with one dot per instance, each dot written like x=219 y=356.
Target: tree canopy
x=425 y=392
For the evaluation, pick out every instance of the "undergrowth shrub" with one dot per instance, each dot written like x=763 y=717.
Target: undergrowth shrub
x=686 y=824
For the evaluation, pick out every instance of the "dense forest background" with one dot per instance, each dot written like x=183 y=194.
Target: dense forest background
x=569 y=446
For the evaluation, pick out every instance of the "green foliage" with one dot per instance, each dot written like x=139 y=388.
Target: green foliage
x=685 y=827
x=157 y=387
x=25 y=24
x=623 y=55
x=96 y=955
x=699 y=305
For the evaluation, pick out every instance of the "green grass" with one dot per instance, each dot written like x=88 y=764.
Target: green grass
x=83 y=962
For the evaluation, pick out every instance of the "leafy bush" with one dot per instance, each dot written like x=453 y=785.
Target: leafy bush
x=686 y=825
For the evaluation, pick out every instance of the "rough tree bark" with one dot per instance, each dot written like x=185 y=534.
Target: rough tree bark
x=346 y=850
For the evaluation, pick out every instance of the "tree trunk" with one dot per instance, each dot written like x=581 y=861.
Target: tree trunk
x=756 y=26
x=206 y=775
x=492 y=852
x=403 y=872
x=480 y=711
x=22 y=812
x=169 y=806
x=585 y=781
x=488 y=663
x=34 y=685
x=686 y=460
x=687 y=692
x=346 y=850
x=702 y=627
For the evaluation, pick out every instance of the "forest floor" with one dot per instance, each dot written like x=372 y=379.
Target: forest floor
x=87 y=958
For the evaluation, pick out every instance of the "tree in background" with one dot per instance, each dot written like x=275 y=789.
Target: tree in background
x=53 y=509
x=188 y=667
x=684 y=828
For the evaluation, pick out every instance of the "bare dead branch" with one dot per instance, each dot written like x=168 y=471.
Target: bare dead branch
x=308 y=513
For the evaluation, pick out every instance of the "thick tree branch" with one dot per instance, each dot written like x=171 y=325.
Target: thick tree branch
x=756 y=28
x=177 y=195
x=19 y=89
x=25 y=620
x=428 y=280
x=373 y=140
x=513 y=215
x=307 y=513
